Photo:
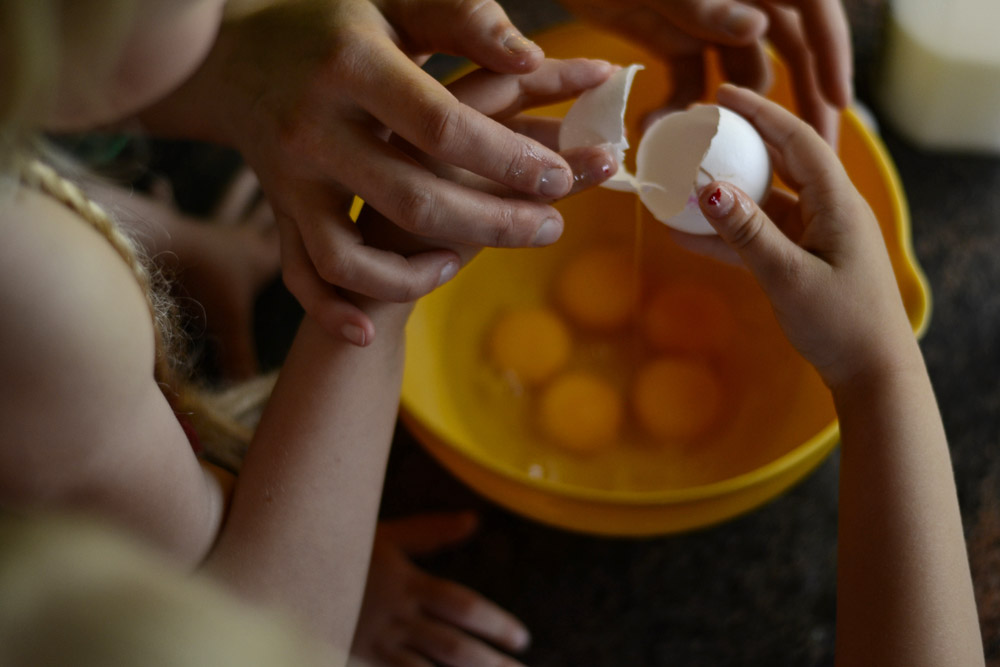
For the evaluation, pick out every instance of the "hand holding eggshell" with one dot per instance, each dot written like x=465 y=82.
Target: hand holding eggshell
x=821 y=259
x=678 y=154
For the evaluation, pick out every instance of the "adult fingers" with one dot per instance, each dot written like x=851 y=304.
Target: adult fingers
x=789 y=39
x=718 y=21
x=591 y=165
x=828 y=32
x=479 y=30
x=417 y=200
x=469 y=611
x=382 y=80
x=540 y=128
x=427 y=533
x=747 y=66
x=502 y=96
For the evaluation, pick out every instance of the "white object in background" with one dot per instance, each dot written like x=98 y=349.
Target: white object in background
x=940 y=83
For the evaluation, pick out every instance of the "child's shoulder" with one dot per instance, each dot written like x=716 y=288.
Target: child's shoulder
x=76 y=335
x=61 y=280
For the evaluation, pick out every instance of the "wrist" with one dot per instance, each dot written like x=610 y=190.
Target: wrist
x=906 y=368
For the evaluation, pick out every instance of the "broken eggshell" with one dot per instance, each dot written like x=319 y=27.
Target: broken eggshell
x=678 y=155
x=597 y=118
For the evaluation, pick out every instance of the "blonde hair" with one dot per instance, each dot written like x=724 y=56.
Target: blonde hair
x=29 y=61
x=35 y=34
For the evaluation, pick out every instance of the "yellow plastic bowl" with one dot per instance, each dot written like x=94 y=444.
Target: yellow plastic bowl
x=781 y=422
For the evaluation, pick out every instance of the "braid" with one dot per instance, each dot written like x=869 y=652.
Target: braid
x=224 y=420
x=36 y=174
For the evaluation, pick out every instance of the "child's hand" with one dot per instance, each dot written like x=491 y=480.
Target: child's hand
x=820 y=257
x=811 y=35
x=409 y=617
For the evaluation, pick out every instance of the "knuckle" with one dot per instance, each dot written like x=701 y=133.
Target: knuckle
x=408 y=291
x=348 y=53
x=746 y=231
x=445 y=127
x=416 y=208
x=469 y=12
x=335 y=265
x=504 y=228
x=518 y=165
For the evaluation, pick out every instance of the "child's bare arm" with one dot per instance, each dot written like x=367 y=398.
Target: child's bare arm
x=304 y=511
x=904 y=588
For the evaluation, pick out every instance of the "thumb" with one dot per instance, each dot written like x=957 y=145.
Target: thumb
x=764 y=248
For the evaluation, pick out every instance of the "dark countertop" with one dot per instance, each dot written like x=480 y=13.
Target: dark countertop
x=760 y=589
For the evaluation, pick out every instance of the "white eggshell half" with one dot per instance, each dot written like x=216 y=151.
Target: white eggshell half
x=598 y=118
x=685 y=151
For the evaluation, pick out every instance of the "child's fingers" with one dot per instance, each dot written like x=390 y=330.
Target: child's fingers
x=806 y=160
x=446 y=645
x=770 y=255
x=470 y=612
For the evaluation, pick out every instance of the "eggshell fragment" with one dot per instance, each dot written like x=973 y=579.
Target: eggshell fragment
x=678 y=155
x=598 y=118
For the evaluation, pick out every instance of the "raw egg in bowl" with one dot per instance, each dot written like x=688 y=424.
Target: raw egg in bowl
x=614 y=383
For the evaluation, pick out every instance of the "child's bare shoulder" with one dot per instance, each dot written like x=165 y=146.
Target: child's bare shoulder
x=76 y=337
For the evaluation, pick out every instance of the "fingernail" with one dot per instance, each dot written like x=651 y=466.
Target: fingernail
x=517 y=43
x=555 y=183
x=448 y=271
x=739 y=21
x=596 y=170
x=548 y=233
x=353 y=334
x=718 y=202
x=520 y=639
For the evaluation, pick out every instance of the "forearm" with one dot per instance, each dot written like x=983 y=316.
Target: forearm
x=904 y=588
x=303 y=515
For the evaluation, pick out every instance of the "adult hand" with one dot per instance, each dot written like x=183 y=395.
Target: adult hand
x=308 y=89
x=819 y=256
x=812 y=36
x=409 y=617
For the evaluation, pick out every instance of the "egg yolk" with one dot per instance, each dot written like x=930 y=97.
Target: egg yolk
x=676 y=398
x=685 y=316
x=596 y=288
x=580 y=411
x=532 y=343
